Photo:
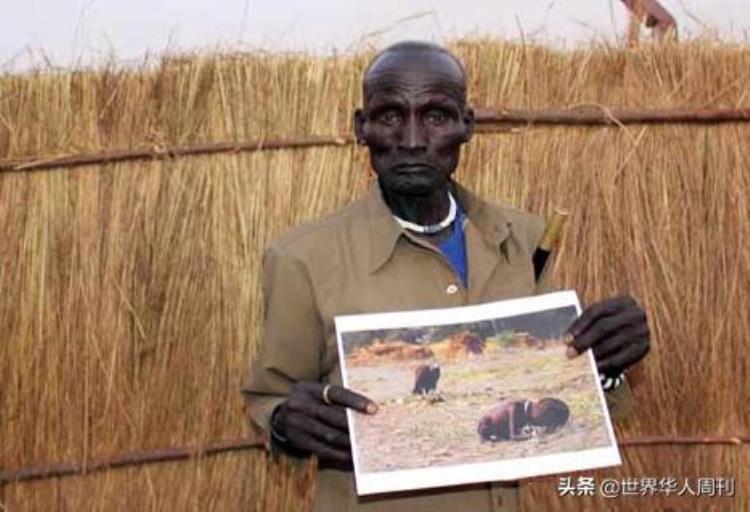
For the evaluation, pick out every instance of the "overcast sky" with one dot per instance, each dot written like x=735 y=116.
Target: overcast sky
x=66 y=32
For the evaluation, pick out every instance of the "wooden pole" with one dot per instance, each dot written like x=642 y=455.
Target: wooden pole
x=161 y=152
x=122 y=460
x=672 y=440
x=604 y=116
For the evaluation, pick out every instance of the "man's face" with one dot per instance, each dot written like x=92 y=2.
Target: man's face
x=414 y=120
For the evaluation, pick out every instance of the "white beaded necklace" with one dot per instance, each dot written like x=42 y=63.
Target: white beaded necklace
x=432 y=228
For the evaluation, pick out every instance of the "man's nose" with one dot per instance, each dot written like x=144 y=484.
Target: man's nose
x=414 y=136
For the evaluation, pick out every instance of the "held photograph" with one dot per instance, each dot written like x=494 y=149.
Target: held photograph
x=472 y=394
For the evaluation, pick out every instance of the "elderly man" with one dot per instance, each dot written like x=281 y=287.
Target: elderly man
x=416 y=240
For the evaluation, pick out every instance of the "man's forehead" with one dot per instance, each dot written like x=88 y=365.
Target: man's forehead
x=430 y=71
x=432 y=60
x=418 y=93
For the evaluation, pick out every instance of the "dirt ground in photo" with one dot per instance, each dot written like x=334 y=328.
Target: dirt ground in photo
x=411 y=432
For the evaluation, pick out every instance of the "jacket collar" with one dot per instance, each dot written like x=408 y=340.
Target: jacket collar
x=385 y=232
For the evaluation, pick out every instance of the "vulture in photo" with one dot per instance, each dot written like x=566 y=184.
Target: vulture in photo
x=426 y=377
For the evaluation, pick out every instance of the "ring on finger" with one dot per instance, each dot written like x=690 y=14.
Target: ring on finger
x=326 y=389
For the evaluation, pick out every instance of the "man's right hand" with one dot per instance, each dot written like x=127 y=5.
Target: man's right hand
x=308 y=424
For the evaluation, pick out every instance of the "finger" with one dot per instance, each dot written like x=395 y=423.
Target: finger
x=599 y=310
x=331 y=436
x=351 y=399
x=619 y=341
x=323 y=451
x=616 y=363
x=337 y=395
x=301 y=424
x=333 y=415
x=607 y=326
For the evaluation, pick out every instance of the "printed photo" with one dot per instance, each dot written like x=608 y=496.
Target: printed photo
x=472 y=394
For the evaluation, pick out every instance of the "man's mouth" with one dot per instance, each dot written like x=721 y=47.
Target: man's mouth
x=412 y=168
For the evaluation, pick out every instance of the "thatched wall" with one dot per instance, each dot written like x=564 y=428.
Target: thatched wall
x=129 y=292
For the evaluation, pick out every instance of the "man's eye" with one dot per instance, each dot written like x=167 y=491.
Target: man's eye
x=390 y=117
x=436 y=117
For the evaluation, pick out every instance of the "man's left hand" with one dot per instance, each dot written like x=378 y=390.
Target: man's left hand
x=616 y=330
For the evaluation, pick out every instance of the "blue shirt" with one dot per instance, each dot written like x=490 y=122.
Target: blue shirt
x=454 y=248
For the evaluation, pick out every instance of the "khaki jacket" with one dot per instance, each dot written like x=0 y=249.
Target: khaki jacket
x=359 y=260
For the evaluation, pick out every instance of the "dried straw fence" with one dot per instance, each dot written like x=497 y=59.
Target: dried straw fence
x=129 y=294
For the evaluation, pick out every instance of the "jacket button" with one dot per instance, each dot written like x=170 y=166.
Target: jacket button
x=451 y=289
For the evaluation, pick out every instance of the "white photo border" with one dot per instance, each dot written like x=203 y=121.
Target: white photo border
x=509 y=469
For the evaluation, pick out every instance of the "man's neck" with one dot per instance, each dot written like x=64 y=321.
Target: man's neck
x=424 y=210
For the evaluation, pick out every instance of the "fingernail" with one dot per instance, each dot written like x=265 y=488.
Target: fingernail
x=568 y=339
x=571 y=352
x=372 y=408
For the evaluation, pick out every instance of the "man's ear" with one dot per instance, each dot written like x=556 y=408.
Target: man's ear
x=469 y=123
x=359 y=125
